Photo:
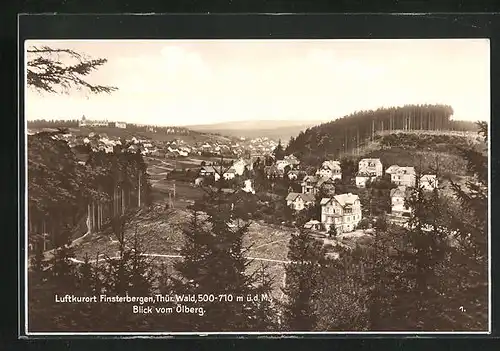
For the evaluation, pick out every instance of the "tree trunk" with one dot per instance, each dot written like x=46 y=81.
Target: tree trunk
x=139 y=192
x=114 y=201
x=94 y=221
x=89 y=222
x=123 y=201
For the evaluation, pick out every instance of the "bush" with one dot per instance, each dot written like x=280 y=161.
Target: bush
x=364 y=224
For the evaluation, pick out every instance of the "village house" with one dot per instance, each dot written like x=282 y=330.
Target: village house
x=240 y=165
x=398 y=197
x=282 y=164
x=272 y=172
x=121 y=125
x=330 y=169
x=370 y=166
x=392 y=169
x=229 y=174
x=198 y=181
x=400 y=213
x=296 y=174
x=343 y=211
x=404 y=176
x=368 y=169
x=293 y=161
x=428 y=182
x=362 y=179
x=207 y=171
x=313 y=224
x=309 y=185
x=298 y=201
x=248 y=188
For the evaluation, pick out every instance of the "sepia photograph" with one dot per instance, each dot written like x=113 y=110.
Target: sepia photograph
x=180 y=187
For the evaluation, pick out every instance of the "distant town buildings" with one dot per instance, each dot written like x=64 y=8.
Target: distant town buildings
x=84 y=122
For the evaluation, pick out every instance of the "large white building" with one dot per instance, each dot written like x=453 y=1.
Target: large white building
x=84 y=122
x=343 y=211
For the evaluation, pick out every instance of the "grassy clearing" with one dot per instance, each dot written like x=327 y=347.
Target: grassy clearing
x=160 y=232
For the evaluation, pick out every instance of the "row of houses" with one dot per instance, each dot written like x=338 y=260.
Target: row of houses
x=372 y=168
x=237 y=169
x=344 y=210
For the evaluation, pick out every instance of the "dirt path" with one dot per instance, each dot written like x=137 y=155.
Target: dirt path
x=179 y=256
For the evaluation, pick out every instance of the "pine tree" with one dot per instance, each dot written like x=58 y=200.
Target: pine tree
x=279 y=152
x=303 y=274
x=131 y=273
x=46 y=72
x=332 y=232
x=469 y=258
x=214 y=264
x=425 y=249
x=264 y=314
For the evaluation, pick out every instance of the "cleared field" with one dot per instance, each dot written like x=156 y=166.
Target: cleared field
x=160 y=233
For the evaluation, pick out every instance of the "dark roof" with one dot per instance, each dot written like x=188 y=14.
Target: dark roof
x=305 y=197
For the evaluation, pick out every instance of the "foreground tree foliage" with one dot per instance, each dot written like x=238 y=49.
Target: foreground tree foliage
x=129 y=273
x=303 y=278
x=56 y=70
x=214 y=264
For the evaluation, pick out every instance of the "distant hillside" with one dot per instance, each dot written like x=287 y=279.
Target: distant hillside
x=427 y=151
x=353 y=131
x=160 y=134
x=272 y=129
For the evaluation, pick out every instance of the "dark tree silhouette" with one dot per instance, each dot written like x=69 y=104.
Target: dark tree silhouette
x=58 y=70
x=352 y=132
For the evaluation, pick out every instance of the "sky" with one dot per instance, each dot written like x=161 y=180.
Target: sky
x=188 y=82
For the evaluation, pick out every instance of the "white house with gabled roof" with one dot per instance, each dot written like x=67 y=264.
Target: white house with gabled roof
x=405 y=176
x=343 y=211
x=299 y=201
x=330 y=169
x=371 y=166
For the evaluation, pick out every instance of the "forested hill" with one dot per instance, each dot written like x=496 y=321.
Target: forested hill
x=355 y=130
